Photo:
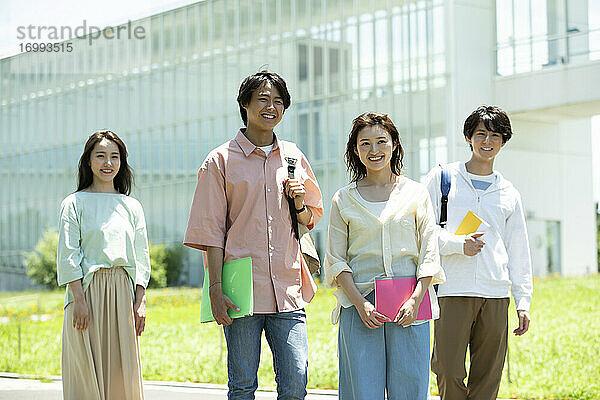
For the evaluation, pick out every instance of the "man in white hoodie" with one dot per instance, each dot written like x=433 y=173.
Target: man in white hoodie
x=482 y=268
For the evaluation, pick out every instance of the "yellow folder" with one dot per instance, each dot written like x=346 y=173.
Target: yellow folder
x=469 y=224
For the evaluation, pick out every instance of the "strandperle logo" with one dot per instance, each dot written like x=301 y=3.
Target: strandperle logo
x=51 y=32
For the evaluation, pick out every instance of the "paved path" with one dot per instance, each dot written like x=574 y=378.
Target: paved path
x=12 y=388
x=19 y=387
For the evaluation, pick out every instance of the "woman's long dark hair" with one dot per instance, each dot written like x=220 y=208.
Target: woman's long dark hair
x=124 y=179
x=356 y=168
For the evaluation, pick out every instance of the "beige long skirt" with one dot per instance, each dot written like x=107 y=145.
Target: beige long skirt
x=103 y=362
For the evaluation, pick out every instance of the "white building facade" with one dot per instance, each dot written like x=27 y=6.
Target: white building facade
x=427 y=64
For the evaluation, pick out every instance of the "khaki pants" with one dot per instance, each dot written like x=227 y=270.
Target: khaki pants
x=481 y=324
x=103 y=362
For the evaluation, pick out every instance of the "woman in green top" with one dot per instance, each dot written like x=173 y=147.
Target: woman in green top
x=103 y=259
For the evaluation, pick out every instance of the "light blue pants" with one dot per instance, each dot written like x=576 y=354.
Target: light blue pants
x=389 y=358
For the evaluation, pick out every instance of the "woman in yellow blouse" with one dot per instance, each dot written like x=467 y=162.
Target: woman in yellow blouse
x=381 y=226
x=103 y=260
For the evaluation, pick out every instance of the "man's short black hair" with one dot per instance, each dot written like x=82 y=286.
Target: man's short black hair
x=494 y=119
x=254 y=82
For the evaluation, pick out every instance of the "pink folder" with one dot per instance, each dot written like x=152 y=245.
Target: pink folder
x=392 y=293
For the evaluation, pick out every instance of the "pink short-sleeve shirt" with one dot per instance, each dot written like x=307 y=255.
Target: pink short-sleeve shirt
x=239 y=206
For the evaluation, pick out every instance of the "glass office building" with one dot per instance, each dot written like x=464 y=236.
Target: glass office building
x=171 y=95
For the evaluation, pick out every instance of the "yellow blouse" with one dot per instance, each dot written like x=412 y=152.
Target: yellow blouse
x=401 y=242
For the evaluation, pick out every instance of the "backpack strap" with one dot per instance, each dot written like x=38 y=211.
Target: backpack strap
x=445 y=188
x=288 y=151
x=291 y=168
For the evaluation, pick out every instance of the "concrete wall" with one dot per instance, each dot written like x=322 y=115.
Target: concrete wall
x=551 y=165
x=556 y=87
x=470 y=41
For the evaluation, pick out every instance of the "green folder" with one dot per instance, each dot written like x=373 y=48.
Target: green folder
x=237 y=285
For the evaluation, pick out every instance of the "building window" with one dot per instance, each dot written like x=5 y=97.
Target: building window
x=302 y=62
x=536 y=34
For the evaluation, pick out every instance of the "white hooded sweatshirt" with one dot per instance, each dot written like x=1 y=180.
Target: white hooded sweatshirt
x=504 y=263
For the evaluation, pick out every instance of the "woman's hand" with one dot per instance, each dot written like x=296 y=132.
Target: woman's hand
x=139 y=310
x=408 y=313
x=81 y=314
x=371 y=318
x=409 y=310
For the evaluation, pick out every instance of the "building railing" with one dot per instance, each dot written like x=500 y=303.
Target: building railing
x=535 y=53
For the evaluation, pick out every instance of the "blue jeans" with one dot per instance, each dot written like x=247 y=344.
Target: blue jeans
x=391 y=358
x=286 y=334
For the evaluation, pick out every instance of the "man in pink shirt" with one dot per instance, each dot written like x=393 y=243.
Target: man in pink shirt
x=240 y=209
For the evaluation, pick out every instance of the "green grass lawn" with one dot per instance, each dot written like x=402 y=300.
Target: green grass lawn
x=556 y=359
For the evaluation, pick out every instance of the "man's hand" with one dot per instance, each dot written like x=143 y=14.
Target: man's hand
x=219 y=304
x=473 y=244
x=371 y=318
x=294 y=189
x=524 y=321
x=139 y=309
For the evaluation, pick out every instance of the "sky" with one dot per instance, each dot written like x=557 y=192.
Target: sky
x=15 y=13
x=101 y=13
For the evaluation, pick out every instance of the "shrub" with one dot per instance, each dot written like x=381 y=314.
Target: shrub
x=158 y=263
x=175 y=254
x=41 y=262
